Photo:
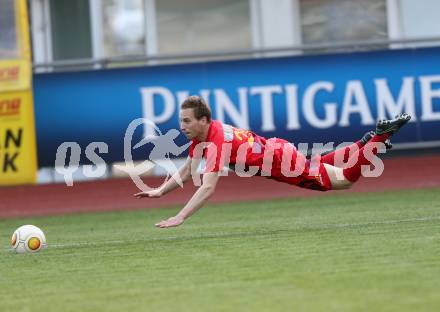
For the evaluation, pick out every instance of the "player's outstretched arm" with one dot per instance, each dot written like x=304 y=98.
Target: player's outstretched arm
x=184 y=173
x=195 y=203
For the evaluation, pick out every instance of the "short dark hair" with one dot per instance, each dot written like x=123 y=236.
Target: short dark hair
x=199 y=106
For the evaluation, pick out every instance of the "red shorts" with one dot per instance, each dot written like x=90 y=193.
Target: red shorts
x=319 y=182
x=311 y=178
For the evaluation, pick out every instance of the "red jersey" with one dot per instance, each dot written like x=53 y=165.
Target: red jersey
x=237 y=148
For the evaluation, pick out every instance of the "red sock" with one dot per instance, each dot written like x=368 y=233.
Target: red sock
x=345 y=151
x=353 y=173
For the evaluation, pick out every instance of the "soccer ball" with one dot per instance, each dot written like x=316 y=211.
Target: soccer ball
x=28 y=238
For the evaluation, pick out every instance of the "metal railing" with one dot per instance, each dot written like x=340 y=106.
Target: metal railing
x=307 y=49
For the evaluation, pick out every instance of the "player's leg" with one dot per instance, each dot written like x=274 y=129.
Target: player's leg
x=341 y=178
x=337 y=178
x=344 y=152
x=384 y=129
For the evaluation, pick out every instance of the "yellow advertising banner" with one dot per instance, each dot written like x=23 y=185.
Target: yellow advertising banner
x=15 y=75
x=18 y=161
x=18 y=158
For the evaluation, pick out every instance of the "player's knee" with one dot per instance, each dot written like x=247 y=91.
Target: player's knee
x=342 y=186
x=347 y=185
x=337 y=179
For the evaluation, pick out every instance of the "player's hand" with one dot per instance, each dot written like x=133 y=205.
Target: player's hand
x=173 y=221
x=151 y=193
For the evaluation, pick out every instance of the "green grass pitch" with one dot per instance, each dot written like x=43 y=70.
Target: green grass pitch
x=343 y=252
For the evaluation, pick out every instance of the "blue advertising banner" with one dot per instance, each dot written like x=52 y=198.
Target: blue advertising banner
x=304 y=99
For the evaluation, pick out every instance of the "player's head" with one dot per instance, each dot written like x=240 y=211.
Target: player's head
x=195 y=116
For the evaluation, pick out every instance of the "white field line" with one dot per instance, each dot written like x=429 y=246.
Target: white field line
x=169 y=238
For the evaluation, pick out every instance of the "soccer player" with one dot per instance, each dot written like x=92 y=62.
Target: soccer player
x=223 y=145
